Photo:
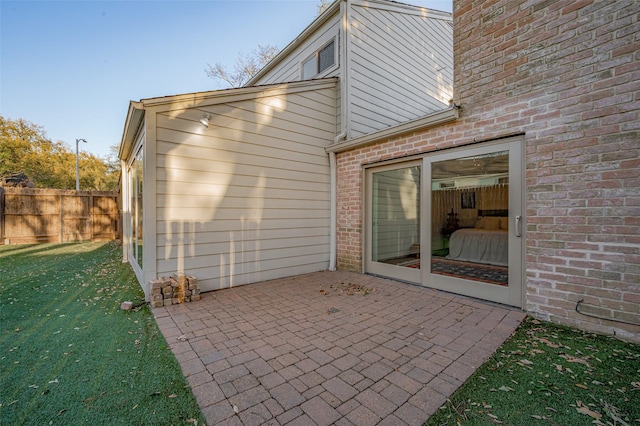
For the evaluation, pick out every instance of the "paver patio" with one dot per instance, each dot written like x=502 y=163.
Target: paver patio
x=330 y=348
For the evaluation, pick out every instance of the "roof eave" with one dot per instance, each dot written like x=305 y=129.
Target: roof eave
x=419 y=124
x=135 y=117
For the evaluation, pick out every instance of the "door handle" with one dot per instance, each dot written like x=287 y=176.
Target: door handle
x=518 y=231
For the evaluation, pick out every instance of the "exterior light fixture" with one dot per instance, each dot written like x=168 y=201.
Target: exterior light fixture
x=77 y=168
x=205 y=120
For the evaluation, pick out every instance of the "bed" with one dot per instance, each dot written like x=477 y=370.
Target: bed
x=487 y=242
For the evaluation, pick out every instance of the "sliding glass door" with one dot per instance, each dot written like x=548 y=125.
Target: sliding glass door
x=475 y=222
x=452 y=221
x=393 y=243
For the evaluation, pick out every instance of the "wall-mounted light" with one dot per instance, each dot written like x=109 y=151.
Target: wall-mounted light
x=205 y=120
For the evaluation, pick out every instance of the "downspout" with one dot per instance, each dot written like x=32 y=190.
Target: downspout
x=333 y=243
x=344 y=67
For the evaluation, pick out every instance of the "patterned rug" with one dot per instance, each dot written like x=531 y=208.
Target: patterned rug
x=473 y=271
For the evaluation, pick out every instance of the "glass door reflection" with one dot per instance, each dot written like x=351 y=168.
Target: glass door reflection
x=396 y=217
x=470 y=218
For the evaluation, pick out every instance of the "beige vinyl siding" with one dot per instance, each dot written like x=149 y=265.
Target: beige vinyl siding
x=290 y=68
x=401 y=67
x=246 y=199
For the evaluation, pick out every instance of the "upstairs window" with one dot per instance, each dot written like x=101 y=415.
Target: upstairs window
x=320 y=61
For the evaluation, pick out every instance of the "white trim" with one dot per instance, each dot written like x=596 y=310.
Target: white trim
x=149 y=249
x=345 y=79
x=139 y=145
x=404 y=8
x=214 y=97
x=126 y=210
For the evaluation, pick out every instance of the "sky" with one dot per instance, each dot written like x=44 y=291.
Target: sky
x=73 y=66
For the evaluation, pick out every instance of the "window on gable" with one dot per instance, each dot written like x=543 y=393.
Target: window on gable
x=320 y=61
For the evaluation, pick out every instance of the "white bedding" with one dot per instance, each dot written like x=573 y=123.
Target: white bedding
x=480 y=245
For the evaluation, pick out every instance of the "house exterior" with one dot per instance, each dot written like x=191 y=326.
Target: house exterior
x=249 y=197
x=524 y=190
x=549 y=101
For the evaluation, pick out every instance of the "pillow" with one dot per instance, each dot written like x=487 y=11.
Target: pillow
x=480 y=223
x=492 y=223
x=504 y=223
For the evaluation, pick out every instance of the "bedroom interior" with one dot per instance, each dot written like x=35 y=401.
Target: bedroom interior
x=469 y=220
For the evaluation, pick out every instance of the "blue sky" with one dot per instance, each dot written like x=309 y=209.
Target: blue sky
x=73 y=66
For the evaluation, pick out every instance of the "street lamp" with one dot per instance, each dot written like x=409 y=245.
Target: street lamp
x=77 y=168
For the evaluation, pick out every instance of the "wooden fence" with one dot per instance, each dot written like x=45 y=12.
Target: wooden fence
x=31 y=215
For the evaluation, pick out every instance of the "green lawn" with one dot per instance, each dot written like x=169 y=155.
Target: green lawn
x=551 y=375
x=69 y=355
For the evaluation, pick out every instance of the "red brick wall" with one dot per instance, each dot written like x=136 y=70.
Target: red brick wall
x=567 y=74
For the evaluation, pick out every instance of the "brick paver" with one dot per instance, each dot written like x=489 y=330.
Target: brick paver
x=301 y=351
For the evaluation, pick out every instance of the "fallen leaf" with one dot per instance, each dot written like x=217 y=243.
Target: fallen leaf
x=548 y=342
x=494 y=418
x=586 y=410
x=574 y=359
x=173 y=395
x=236 y=409
x=525 y=362
x=580 y=385
x=505 y=389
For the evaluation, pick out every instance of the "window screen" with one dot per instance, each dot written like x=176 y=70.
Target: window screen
x=325 y=57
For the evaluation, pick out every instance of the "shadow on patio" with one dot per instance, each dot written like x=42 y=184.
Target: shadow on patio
x=330 y=348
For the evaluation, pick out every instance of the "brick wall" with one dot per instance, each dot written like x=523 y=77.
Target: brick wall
x=567 y=74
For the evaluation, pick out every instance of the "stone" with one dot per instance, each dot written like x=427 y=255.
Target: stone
x=180 y=279
x=155 y=284
x=126 y=306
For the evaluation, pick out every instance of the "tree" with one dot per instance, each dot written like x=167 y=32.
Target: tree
x=246 y=66
x=323 y=5
x=25 y=148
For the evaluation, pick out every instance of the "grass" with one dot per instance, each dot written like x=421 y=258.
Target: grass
x=69 y=355
x=551 y=375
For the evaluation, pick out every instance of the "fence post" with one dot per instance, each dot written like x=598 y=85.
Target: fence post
x=2 y=214
x=91 y=214
x=61 y=238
